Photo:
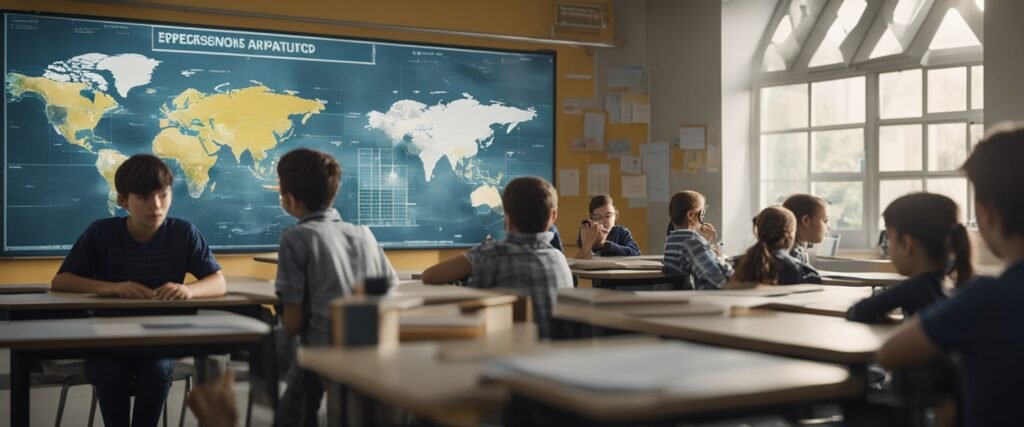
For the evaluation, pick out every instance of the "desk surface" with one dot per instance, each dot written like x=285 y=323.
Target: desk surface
x=100 y=332
x=829 y=301
x=873 y=278
x=618 y=274
x=712 y=380
x=814 y=337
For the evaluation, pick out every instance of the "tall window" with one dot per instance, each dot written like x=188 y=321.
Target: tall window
x=873 y=108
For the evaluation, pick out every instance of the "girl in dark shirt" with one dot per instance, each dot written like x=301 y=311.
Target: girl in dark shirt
x=769 y=261
x=925 y=235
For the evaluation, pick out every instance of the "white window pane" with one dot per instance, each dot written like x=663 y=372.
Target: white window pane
x=889 y=190
x=887 y=45
x=772 y=60
x=784 y=107
x=846 y=19
x=953 y=32
x=947 y=147
x=899 y=94
x=906 y=11
x=947 y=89
x=977 y=132
x=783 y=31
x=838 y=101
x=846 y=207
x=838 y=151
x=954 y=188
x=784 y=156
x=776 y=192
x=980 y=4
x=900 y=148
x=978 y=87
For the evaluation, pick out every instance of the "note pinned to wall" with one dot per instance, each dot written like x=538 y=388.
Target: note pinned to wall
x=634 y=186
x=656 y=157
x=692 y=137
x=631 y=165
x=593 y=133
x=576 y=106
x=628 y=77
x=714 y=156
x=613 y=105
x=598 y=179
x=692 y=161
x=568 y=182
x=619 y=148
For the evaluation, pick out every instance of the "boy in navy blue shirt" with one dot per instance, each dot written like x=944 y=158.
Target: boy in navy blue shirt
x=146 y=256
x=981 y=323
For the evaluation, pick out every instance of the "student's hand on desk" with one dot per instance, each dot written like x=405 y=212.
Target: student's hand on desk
x=129 y=289
x=173 y=291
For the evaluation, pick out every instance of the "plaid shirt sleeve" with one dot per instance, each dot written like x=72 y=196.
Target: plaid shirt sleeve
x=709 y=272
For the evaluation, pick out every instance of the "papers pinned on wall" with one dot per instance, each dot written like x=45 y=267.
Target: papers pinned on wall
x=634 y=186
x=692 y=137
x=656 y=157
x=598 y=179
x=568 y=182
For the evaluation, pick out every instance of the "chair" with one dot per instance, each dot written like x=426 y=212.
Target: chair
x=72 y=373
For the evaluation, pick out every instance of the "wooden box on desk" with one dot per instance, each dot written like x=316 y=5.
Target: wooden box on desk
x=368 y=320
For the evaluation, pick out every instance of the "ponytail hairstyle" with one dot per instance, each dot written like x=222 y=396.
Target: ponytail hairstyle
x=775 y=227
x=805 y=205
x=681 y=203
x=933 y=221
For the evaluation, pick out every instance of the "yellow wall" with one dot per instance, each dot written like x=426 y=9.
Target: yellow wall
x=518 y=17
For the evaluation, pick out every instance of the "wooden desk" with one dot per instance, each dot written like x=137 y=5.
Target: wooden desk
x=254 y=288
x=152 y=336
x=736 y=381
x=807 y=336
x=35 y=288
x=831 y=301
x=863 y=265
x=871 y=279
x=267 y=258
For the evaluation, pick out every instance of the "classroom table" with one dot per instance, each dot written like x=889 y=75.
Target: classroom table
x=33 y=288
x=402 y=274
x=149 y=336
x=869 y=279
x=831 y=301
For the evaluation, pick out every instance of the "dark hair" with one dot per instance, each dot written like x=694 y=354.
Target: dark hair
x=804 y=205
x=932 y=220
x=597 y=201
x=994 y=169
x=681 y=203
x=774 y=227
x=142 y=174
x=312 y=177
x=528 y=201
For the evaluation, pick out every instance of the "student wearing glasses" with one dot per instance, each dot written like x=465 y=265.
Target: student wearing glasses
x=599 y=236
x=691 y=251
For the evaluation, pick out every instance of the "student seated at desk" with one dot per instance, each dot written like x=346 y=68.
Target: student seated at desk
x=319 y=259
x=812 y=227
x=524 y=260
x=687 y=251
x=144 y=255
x=925 y=233
x=600 y=236
x=769 y=260
x=981 y=323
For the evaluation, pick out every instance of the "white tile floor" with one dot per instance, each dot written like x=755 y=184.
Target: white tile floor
x=44 y=401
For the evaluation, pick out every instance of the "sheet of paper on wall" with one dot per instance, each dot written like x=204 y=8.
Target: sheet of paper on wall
x=641 y=113
x=655 y=157
x=613 y=105
x=630 y=77
x=631 y=165
x=576 y=106
x=714 y=157
x=593 y=131
x=637 y=203
x=568 y=182
x=692 y=161
x=619 y=148
x=636 y=107
x=634 y=186
x=580 y=144
x=626 y=113
x=692 y=137
x=598 y=179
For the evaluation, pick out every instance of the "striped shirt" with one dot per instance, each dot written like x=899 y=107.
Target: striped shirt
x=525 y=262
x=799 y=252
x=687 y=254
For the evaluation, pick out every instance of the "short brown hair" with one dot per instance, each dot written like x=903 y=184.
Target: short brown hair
x=597 y=202
x=142 y=174
x=681 y=203
x=994 y=169
x=804 y=205
x=312 y=177
x=528 y=201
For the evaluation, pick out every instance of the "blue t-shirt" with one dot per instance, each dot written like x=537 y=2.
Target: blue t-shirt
x=982 y=324
x=106 y=251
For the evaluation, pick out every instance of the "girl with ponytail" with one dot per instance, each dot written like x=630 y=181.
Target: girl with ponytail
x=769 y=260
x=928 y=243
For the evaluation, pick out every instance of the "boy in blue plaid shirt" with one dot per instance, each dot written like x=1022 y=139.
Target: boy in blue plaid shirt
x=524 y=260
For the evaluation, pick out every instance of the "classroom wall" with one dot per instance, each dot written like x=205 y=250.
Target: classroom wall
x=520 y=17
x=1004 y=61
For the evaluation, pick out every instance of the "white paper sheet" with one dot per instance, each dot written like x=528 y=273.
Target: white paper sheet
x=656 y=165
x=619 y=148
x=692 y=137
x=593 y=131
x=613 y=104
x=634 y=186
x=631 y=77
x=631 y=165
x=568 y=182
x=637 y=203
x=641 y=113
x=598 y=179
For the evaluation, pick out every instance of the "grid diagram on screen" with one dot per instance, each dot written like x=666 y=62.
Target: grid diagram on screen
x=383 y=189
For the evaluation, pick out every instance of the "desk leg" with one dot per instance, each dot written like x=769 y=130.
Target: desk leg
x=20 y=365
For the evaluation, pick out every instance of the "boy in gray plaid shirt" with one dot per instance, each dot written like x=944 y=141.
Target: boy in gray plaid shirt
x=524 y=260
x=320 y=258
